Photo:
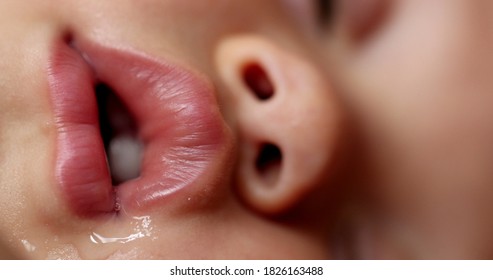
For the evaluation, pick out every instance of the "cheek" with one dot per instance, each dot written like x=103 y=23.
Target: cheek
x=425 y=75
x=423 y=95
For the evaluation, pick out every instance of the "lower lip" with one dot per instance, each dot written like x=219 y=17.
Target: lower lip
x=186 y=140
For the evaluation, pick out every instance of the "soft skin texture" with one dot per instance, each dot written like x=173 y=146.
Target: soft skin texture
x=383 y=120
x=417 y=79
x=214 y=218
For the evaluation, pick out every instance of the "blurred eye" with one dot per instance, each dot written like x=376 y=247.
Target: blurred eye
x=360 y=19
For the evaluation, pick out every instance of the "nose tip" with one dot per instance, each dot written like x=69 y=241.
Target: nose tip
x=287 y=121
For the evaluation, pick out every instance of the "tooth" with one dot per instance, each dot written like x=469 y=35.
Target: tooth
x=125 y=157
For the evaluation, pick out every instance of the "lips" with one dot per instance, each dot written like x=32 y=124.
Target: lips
x=186 y=142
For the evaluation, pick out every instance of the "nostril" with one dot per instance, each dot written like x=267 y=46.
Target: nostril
x=257 y=80
x=269 y=162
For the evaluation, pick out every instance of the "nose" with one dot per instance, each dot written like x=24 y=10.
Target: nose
x=287 y=120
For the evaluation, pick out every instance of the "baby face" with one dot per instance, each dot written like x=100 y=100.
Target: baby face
x=246 y=129
x=160 y=129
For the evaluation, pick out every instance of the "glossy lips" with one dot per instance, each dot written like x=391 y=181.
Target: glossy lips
x=186 y=140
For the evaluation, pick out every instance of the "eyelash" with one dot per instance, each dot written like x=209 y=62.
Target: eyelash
x=325 y=11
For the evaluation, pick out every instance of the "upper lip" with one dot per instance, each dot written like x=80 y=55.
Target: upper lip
x=186 y=140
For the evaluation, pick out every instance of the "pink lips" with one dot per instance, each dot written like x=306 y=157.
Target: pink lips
x=185 y=137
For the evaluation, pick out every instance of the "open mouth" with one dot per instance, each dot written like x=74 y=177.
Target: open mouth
x=122 y=144
x=132 y=130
